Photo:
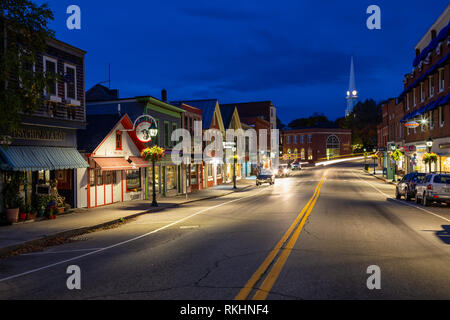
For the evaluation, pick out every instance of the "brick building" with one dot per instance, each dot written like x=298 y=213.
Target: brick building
x=315 y=144
x=421 y=112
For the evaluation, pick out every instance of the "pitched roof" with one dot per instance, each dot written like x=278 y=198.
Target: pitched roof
x=227 y=114
x=101 y=93
x=207 y=106
x=252 y=109
x=98 y=127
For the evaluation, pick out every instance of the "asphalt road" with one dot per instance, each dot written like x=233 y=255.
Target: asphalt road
x=311 y=236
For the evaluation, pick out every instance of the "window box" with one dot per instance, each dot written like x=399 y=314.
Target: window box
x=73 y=102
x=53 y=98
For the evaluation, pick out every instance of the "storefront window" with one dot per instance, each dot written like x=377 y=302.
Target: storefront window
x=171 y=177
x=193 y=174
x=133 y=180
x=91 y=177
x=210 y=170
x=150 y=179
x=108 y=177
x=99 y=177
x=219 y=170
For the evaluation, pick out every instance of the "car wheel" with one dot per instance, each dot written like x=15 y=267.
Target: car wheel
x=397 y=195
x=417 y=199
x=425 y=201
x=408 y=196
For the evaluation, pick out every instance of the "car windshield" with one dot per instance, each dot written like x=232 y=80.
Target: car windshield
x=265 y=173
x=441 y=178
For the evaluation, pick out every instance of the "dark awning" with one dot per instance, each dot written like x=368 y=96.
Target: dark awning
x=31 y=158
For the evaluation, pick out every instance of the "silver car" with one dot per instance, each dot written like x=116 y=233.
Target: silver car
x=434 y=188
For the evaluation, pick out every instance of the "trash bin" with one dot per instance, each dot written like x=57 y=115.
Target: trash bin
x=390 y=173
x=366 y=167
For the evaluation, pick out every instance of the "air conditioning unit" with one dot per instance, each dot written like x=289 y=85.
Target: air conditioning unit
x=53 y=98
x=73 y=102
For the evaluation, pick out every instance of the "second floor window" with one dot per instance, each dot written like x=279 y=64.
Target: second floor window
x=70 y=79
x=288 y=139
x=441 y=117
x=295 y=139
x=302 y=139
x=414 y=97
x=407 y=104
x=118 y=140
x=422 y=92
x=50 y=69
x=309 y=138
x=431 y=86
x=431 y=120
x=166 y=134
x=441 y=80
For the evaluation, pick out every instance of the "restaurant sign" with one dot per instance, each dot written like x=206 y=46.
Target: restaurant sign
x=38 y=134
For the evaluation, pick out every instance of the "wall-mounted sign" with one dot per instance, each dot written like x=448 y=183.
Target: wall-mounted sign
x=38 y=134
x=409 y=148
x=411 y=124
x=444 y=146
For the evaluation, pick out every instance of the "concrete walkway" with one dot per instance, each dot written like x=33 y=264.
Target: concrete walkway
x=82 y=220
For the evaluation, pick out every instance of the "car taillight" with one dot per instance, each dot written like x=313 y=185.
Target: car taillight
x=429 y=187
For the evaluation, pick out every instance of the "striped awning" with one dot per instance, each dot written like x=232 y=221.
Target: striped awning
x=113 y=164
x=139 y=162
x=32 y=158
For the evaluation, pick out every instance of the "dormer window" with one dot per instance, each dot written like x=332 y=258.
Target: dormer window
x=118 y=140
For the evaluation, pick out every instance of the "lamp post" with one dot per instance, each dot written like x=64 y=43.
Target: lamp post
x=393 y=147
x=153 y=133
x=429 y=145
x=374 y=161
x=234 y=166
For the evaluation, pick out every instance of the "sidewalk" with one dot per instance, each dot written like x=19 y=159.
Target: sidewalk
x=82 y=220
x=379 y=175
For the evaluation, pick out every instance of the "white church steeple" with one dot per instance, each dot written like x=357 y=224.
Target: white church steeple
x=352 y=94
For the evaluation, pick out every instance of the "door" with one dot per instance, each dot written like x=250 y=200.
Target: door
x=92 y=189
x=117 y=186
x=108 y=187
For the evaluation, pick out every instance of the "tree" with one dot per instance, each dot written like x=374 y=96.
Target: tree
x=363 y=121
x=24 y=31
x=316 y=120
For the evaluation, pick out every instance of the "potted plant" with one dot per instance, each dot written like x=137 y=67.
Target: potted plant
x=23 y=212
x=51 y=213
x=12 y=198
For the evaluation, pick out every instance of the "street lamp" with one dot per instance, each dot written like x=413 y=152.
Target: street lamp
x=429 y=145
x=374 y=160
x=393 y=147
x=153 y=133
x=234 y=149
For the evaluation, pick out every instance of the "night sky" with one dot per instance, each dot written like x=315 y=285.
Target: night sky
x=295 y=53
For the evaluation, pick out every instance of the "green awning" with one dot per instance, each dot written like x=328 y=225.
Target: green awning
x=28 y=158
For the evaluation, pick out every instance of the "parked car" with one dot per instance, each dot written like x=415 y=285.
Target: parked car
x=406 y=187
x=265 y=177
x=282 y=171
x=434 y=188
x=296 y=166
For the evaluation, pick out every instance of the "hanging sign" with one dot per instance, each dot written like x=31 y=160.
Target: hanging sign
x=145 y=128
x=411 y=124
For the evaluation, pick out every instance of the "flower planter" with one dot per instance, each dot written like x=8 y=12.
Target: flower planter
x=22 y=216
x=60 y=210
x=12 y=215
x=32 y=216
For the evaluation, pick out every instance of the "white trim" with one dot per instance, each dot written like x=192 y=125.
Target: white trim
x=45 y=59
x=74 y=67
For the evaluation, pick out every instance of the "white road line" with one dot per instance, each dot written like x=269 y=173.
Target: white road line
x=55 y=252
x=401 y=202
x=126 y=241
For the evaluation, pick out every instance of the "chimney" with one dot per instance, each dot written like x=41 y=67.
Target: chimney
x=164 y=95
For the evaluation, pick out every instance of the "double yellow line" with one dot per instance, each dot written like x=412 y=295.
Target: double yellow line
x=267 y=284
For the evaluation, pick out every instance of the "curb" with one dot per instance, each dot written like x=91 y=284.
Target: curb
x=80 y=231
x=379 y=178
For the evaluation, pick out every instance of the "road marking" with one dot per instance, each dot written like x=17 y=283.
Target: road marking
x=249 y=286
x=126 y=241
x=189 y=227
x=401 y=202
x=55 y=252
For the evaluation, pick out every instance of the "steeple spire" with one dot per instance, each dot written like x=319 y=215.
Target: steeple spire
x=352 y=94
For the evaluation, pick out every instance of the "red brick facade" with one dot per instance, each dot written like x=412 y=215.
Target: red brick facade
x=311 y=144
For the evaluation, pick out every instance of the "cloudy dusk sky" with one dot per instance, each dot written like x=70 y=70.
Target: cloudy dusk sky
x=295 y=53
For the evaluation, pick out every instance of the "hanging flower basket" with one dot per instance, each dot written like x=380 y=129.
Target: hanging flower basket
x=374 y=156
x=430 y=157
x=396 y=155
x=153 y=154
